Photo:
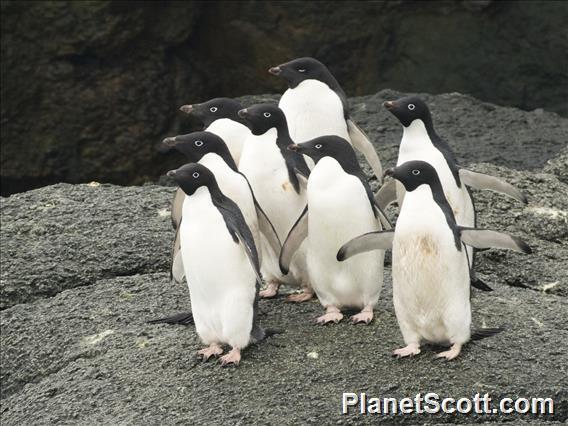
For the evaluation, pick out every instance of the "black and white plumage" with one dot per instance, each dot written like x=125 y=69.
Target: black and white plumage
x=340 y=207
x=431 y=274
x=315 y=105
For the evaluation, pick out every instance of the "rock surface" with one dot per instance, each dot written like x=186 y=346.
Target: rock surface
x=85 y=266
x=85 y=81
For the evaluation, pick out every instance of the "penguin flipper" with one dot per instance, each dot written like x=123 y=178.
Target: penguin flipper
x=302 y=178
x=378 y=240
x=486 y=238
x=361 y=142
x=267 y=228
x=386 y=195
x=177 y=208
x=177 y=273
x=250 y=250
x=297 y=234
x=383 y=218
x=491 y=183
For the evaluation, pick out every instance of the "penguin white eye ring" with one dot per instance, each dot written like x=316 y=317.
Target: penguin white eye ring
x=195 y=175
x=415 y=172
x=213 y=109
x=198 y=143
x=411 y=107
x=301 y=70
x=318 y=146
x=267 y=114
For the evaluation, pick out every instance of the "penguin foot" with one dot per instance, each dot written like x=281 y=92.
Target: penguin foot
x=304 y=296
x=410 y=350
x=365 y=316
x=233 y=357
x=212 y=350
x=270 y=291
x=452 y=353
x=332 y=314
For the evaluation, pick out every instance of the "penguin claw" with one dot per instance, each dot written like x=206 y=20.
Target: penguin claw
x=232 y=358
x=363 y=317
x=212 y=350
x=450 y=354
x=334 y=317
x=304 y=296
x=270 y=291
x=407 y=351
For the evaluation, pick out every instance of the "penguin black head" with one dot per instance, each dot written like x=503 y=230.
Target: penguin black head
x=412 y=174
x=409 y=109
x=190 y=177
x=260 y=118
x=298 y=70
x=214 y=109
x=325 y=146
x=195 y=145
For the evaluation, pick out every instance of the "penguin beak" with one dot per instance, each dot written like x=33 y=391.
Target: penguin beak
x=275 y=70
x=293 y=147
x=171 y=173
x=389 y=105
x=243 y=113
x=169 y=141
x=389 y=172
x=186 y=108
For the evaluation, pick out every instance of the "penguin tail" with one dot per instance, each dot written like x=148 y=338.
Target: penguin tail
x=183 y=318
x=482 y=333
x=269 y=332
x=480 y=284
x=259 y=334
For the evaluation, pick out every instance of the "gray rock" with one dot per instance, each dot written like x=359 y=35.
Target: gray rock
x=84 y=267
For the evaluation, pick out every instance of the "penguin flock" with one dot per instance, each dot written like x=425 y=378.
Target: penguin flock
x=275 y=196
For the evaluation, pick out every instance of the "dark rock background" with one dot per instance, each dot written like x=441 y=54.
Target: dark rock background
x=90 y=88
x=83 y=267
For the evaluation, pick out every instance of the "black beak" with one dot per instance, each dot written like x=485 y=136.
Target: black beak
x=243 y=113
x=186 y=108
x=293 y=147
x=389 y=105
x=275 y=70
x=171 y=173
x=169 y=141
x=389 y=172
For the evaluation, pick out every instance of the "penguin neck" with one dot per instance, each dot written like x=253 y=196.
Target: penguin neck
x=223 y=155
x=292 y=159
x=309 y=88
x=424 y=128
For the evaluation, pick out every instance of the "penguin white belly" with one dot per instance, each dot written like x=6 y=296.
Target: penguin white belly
x=312 y=109
x=235 y=187
x=222 y=280
x=233 y=133
x=339 y=210
x=430 y=276
x=265 y=168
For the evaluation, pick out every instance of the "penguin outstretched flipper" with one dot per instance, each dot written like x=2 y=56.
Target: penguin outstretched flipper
x=380 y=240
x=491 y=183
x=486 y=238
x=295 y=237
x=183 y=318
x=362 y=144
x=386 y=195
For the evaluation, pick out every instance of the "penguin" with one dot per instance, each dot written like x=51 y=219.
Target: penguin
x=220 y=116
x=421 y=142
x=341 y=206
x=210 y=150
x=221 y=262
x=277 y=177
x=316 y=105
x=430 y=267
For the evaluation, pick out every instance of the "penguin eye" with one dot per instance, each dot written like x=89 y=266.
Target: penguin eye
x=411 y=107
x=318 y=145
x=267 y=114
x=195 y=175
x=301 y=70
x=213 y=109
x=198 y=143
x=415 y=172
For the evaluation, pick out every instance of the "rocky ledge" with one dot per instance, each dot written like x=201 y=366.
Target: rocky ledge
x=85 y=266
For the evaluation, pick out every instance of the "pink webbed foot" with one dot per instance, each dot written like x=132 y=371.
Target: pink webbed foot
x=270 y=291
x=452 y=353
x=212 y=350
x=332 y=314
x=233 y=357
x=410 y=350
x=365 y=316
x=304 y=296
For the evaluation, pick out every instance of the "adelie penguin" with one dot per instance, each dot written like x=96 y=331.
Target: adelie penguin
x=430 y=270
x=421 y=142
x=221 y=263
x=316 y=105
x=277 y=177
x=211 y=151
x=340 y=207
